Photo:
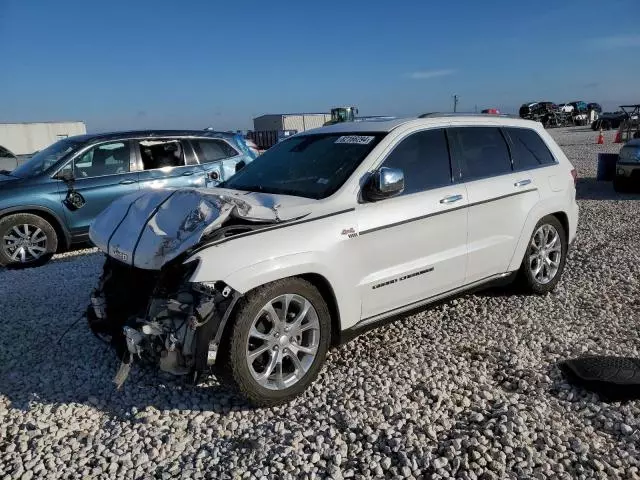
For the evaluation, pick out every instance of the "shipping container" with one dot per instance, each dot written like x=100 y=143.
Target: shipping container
x=27 y=138
x=290 y=121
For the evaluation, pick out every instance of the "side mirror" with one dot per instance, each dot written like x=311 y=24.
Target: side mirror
x=384 y=183
x=66 y=176
x=240 y=165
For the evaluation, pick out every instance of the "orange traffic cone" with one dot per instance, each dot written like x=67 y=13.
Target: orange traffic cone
x=618 y=137
x=600 y=138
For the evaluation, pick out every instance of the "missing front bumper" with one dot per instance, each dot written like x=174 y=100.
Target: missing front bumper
x=177 y=325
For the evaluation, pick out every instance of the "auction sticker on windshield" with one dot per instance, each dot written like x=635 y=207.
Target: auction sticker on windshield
x=359 y=139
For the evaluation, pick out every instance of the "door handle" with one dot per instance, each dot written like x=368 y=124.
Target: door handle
x=127 y=182
x=522 y=183
x=186 y=174
x=451 y=199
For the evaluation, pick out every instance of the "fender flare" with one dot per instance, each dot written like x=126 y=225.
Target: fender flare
x=298 y=264
x=541 y=211
x=39 y=208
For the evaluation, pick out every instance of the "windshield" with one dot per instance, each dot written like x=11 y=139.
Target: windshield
x=46 y=158
x=630 y=153
x=311 y=166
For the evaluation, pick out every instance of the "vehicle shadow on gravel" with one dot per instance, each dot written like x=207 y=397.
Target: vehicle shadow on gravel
x=589 y=188
x=147 y=390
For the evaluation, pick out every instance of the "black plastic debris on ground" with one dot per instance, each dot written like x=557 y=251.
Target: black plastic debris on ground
x=613 y=378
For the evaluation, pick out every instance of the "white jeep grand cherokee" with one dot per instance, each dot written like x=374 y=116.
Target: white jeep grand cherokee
x=325 y=234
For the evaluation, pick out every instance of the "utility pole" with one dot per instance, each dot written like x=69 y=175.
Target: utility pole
x=455 y=103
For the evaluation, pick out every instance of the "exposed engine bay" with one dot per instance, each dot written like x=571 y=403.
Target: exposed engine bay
x=145 y=305
x=159 y=317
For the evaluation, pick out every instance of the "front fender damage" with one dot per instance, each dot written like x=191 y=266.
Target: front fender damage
x=145 y=305
x=150 y=229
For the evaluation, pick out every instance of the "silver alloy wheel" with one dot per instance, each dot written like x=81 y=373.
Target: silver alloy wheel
x=545 y=254
x=283 y=341
x=25 y=243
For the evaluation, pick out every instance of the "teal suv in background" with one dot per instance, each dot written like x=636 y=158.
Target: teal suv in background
x=48 y=203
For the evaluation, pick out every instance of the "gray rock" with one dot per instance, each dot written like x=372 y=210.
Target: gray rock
x=440 y=462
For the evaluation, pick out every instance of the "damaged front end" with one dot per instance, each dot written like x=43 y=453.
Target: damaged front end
x=145 y=305
x=160 y=317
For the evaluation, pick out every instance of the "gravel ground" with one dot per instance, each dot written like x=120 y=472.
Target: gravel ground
x=467 y=389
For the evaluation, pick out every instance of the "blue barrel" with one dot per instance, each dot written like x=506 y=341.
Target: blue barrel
x=606 y=166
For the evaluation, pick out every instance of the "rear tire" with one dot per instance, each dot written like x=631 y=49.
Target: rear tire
x=545 y=257
x=273 y=377
x=26 y=240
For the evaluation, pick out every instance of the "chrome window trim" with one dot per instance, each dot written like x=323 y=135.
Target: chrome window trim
x=88 y=147
x=391 y=148
x=462 y=178
x=505 y=132
x=195 y=152
x=133 y=162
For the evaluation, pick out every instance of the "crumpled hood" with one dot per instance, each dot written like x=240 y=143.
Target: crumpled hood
x=149 y=228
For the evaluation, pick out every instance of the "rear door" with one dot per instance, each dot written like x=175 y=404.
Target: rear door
x=102 y=174
x=167 y=163
x=499 y=198
x=217 y=158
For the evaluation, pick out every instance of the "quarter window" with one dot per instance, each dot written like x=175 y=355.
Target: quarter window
x=424 y=159
x=528 y=149
x=106 y=159
x=480 y=152
x=213 y=150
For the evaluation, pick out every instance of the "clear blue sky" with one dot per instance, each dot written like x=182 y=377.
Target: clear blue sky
x=135 y=64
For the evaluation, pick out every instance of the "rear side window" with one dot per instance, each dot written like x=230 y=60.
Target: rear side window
x=213 y=150
x=480 y=152
x=424 y=159
x=528 y=149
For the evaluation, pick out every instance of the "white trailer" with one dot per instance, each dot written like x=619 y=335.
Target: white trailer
x=27 y=138
x=290 y=121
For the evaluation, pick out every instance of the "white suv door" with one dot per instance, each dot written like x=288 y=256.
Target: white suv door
x=499 y=198
x=413 y=246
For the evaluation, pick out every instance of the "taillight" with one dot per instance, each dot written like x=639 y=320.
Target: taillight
x=574 y=174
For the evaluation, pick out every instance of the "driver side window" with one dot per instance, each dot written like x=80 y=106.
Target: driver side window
x=106 y=159
x=423 y=158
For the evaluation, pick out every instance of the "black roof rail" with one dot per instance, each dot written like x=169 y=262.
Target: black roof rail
x=465 y=114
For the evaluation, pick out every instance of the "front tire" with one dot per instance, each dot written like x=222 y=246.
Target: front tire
x=26 y=240
x=545 y=257
x=278 y=341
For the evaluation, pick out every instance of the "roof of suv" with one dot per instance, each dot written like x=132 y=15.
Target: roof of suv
x=150 y=134
x=426 y=119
